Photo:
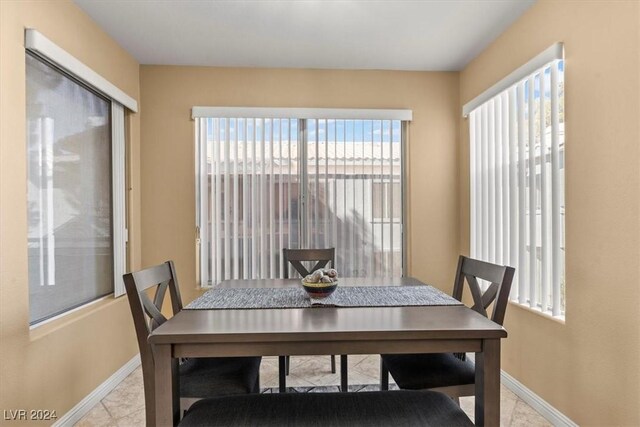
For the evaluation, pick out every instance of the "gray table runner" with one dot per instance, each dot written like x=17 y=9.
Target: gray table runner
x=296 y=297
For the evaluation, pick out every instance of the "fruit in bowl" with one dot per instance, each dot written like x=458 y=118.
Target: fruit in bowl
x=321 y=283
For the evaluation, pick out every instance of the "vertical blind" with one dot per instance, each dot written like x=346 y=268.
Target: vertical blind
x=517 y=185
x=265 y=184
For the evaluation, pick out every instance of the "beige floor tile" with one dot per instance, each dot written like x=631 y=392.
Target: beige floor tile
x=127 y=398
x=268 y=368
x=358 y=378
x=354 y=359
x=315 y=370
x=269 y=381
x=369 y=366
x=508 y=402
x=468 y=406
x=322 y=361
x=97 y=417
x=135 y=419
x=525 y=415
x=294 y=380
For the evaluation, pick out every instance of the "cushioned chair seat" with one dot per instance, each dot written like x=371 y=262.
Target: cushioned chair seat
x=219 y=376
x=423 y=371
x=395 y=408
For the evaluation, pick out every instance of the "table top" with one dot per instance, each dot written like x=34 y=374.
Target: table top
x=343 y=281
x=326 y=323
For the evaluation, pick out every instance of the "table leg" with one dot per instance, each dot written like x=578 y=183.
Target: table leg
x=384 y=376
x=344 y=374
x=282 y=366
x=167 y=400
x=487 y=411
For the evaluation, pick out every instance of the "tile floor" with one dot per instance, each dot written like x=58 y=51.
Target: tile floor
x=124 y=406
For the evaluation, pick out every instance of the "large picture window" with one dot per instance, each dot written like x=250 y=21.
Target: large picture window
x=265 y=184
x=517 y=185
x=75 y=212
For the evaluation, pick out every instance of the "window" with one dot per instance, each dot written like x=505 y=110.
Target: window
x=517 y=184
x=264 y=184
x=75 y=192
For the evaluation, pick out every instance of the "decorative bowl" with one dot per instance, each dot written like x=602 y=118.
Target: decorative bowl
x=319 y=290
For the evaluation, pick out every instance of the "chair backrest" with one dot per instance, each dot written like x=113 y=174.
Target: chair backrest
x=147 y=316
x=500 y=278
x=297 y=256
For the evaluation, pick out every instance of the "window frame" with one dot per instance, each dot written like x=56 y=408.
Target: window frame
x=506 y=114
x=42 y=49
x=302 y=115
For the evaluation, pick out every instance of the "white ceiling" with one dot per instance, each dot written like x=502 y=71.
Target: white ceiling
x=356 y=34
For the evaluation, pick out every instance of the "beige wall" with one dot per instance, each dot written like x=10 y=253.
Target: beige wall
x=58 y=364
x=168 y=174
x=588 y=368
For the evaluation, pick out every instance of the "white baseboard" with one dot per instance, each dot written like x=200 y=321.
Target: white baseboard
x=545 y=409
x=93 y=398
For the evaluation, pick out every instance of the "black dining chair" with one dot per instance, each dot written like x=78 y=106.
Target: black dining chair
x=321 y=258
x=452 y=373
x=198 y=377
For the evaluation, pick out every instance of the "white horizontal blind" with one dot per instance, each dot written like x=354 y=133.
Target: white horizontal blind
x=268 y=184
x=517 y=186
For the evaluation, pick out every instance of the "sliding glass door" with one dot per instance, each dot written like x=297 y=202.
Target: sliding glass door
x=268 y=184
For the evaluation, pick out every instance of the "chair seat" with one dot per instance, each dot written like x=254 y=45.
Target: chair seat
x=424 y=371
x=395 y=408
x=218 y=376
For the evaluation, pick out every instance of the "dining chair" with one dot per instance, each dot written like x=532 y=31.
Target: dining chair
x=198 y=377
x=452 y=373
x=321 y=258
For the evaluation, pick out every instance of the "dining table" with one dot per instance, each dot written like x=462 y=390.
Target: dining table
x=327 y=330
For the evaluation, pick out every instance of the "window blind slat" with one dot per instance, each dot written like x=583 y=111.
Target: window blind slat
x=236 y=213
x=227 y=206
x=280 y=199
x=345 y=228
x=497 y=113
x=544 y=194
x=289 y=196
x=522 y=191
x=270 y=184
x=245 y=201
x=479 y=184
x=255 y=208
x=557 y=191
x=218 y=202
x=491 y=142
x=472 y=182
x=372 y=185
x=203 y=177
x=514 y=191
x=263 y=200
x=533 y=237
x=505 y=143
x=390 y=209
x=326 y=219
x=485 y=183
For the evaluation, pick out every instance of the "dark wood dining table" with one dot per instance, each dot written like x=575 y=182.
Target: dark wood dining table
x=325 y=331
